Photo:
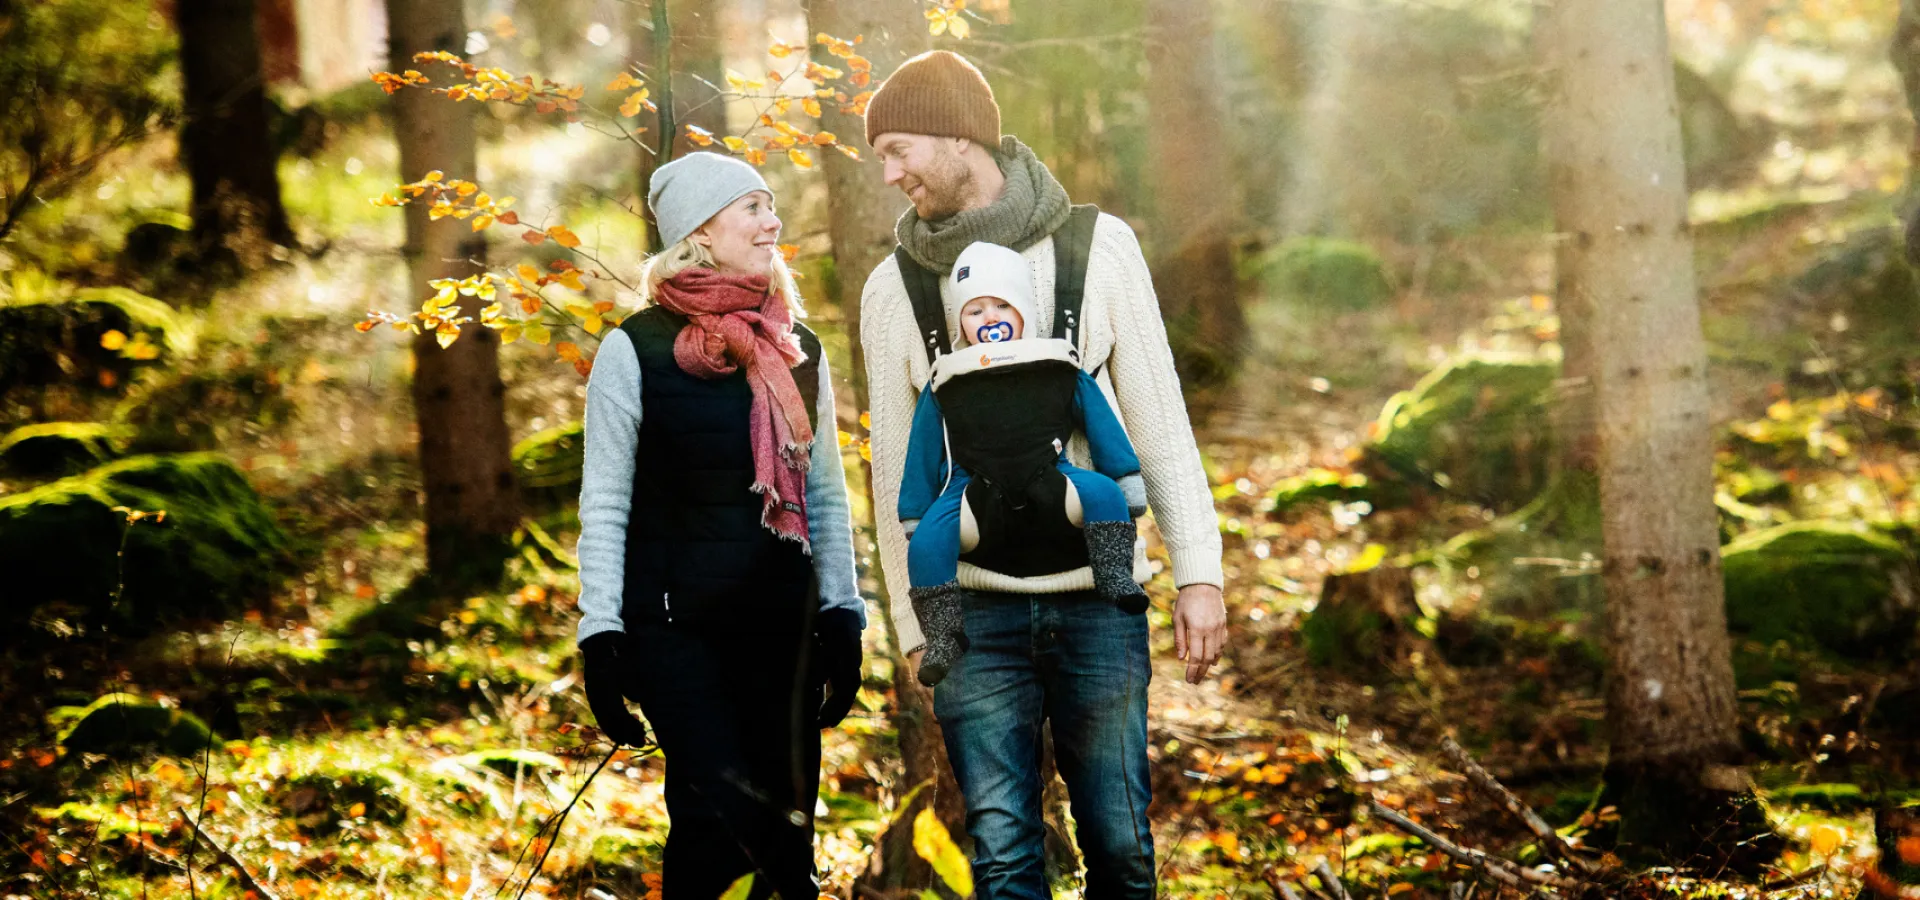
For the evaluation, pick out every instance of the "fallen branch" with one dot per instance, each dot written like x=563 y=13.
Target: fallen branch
x=246 y=878
x=1330 y=881
x=1795 y=880
x=1280 y=888
x=1551 y=840
x=1508 y=873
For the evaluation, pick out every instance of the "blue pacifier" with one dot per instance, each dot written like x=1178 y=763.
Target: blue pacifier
x=991 y=334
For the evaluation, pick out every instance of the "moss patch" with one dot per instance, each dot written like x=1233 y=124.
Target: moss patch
x=120 y=722
x=1823 y=585
x=1478 y=428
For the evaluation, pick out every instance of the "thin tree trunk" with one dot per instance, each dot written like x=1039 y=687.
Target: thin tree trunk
x=237 y=211
x=681 y=37
x=1194 y=201
x=472 y=500
x=1905 y=53
x=1620 y=193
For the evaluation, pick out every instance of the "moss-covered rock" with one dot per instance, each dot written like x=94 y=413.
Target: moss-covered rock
x=53 y=449
x=549 y=464
x=1318 y=486
x=120 y=722
x=319 y=801
x=1823 y=585
x=217 y=548
x=509 y=761
x=1478 y=428
x=1539 y=561
x=1325 y=271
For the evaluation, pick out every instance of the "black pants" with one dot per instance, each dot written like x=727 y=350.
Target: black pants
x=734 y=713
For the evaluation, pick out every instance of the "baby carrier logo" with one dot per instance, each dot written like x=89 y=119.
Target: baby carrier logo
x=987 y=359
x=998 y=331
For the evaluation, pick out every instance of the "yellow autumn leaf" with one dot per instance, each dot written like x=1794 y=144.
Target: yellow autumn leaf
x=141 y=349
x=631 y=106
x=480 y=223
x=564 y=236
x=510 y=333
x=740 y=888
x=958 y=27
x=356 y=811
x=446 y=334
x=434 y=175
x=932 y=842
x=845 y=439
x=571 y=278
x=756 y=157
x=528 y=274
x=824 y=139
x=866 y=420
x=735 y=144
x=800 y=158
x=593 y=323
x=538 y=333
x=1824 y=838
x=811 y=106
x=866 y=452
x=113 y=340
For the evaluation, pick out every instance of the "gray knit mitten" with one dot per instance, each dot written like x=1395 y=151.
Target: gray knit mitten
x=942 y=624
x=1110 y=552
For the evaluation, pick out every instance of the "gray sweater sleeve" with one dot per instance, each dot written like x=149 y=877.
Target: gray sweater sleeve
x=606 y=484
x=606 y=493
x=829 y=519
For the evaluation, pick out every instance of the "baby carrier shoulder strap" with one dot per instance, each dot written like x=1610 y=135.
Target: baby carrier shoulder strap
x=1072 y=244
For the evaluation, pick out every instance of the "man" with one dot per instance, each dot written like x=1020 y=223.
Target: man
x=1042 y=649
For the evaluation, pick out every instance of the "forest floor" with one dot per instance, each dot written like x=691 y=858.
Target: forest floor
x=371 y=746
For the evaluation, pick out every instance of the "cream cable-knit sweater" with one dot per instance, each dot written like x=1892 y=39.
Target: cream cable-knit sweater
x=1121 y=335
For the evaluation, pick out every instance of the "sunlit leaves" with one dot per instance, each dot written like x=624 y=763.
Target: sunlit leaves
x=932 y=842
x=564 y=237
x=800 y=158
x=948 y=18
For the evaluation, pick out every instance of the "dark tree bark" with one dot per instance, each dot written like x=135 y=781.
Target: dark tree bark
x=472 y=502
x=861 y=210
x=229 y=156
x=1620 y=195
x=684 y=41
x=1194 y=200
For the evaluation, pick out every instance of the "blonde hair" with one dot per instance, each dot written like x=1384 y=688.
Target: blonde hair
x=691 y=254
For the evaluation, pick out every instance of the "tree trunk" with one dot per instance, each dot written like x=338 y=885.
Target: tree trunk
x=1194 y=200
x=472 y=500
x=686 y=42
x=237 y=212
x=1620 y=195
x=1905 y=53
x=861 y=210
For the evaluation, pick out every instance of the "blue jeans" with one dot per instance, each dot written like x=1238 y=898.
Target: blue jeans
x=1078 y=663
x=933 y=553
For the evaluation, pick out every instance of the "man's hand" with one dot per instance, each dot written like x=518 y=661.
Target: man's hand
x=1199 y=628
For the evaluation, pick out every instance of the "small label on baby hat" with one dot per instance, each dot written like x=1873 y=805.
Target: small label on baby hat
x=962 y=274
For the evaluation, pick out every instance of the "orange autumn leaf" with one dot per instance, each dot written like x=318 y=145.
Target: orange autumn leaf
x=800 y=158
x=564 y=236
x=700 y=135
x=567 y=350
x=1909 y=849
x=534 y=236
x=824 y=139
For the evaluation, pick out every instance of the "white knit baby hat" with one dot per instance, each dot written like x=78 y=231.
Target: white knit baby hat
x=991 y=270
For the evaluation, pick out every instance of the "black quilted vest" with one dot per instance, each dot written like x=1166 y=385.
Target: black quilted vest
x=696 y=552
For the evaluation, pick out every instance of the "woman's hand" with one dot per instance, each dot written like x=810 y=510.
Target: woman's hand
x=605 y=673
x=837 y=657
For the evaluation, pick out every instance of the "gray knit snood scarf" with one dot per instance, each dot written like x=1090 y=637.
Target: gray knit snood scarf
x=1032 y=206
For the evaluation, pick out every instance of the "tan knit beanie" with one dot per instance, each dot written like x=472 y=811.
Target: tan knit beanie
x=937 y=93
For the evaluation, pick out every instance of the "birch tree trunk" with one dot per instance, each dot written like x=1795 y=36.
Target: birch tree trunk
x=1194 y=201
x=472 y=500
x=237 y=213
x=1620 y=195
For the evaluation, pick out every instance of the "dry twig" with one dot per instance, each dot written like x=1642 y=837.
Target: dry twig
x=1484 y=780
x=1506 y=872
x=1331 y=882
x=246 y=878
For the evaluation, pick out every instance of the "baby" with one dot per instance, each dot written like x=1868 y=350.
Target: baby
x=987 y=479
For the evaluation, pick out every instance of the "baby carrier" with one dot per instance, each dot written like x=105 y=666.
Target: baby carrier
x=1009 y=411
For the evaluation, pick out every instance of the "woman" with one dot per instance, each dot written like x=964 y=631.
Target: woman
x=716 y=556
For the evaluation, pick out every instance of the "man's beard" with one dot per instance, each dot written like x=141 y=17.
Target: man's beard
x=946 y=188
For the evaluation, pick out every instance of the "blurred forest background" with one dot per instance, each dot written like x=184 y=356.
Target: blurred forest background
x=307 y=588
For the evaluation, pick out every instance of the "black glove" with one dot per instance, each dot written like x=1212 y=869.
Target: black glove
x=605 y=673
x=836 y=662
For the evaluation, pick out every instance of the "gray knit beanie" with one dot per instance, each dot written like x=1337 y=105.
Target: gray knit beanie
x=687 y=192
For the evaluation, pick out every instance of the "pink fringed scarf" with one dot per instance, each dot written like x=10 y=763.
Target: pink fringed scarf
x=735 y=321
